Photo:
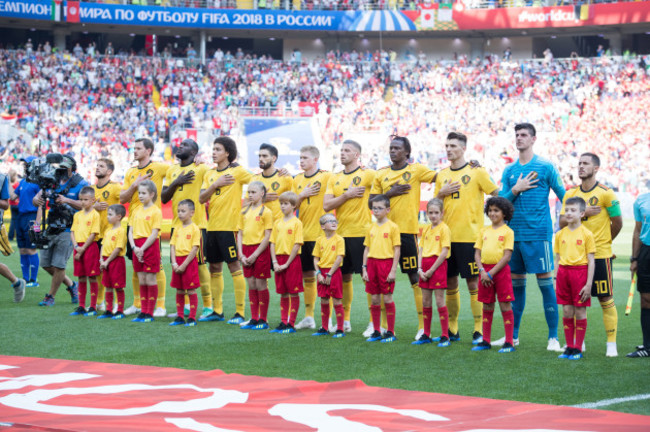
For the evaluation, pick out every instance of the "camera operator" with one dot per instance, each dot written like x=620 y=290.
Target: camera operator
x=64 y=202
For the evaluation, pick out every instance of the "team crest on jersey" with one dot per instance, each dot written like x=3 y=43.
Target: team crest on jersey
x=465 y=179
x=189 y=236
x=88 y=223
x=356 y=181
x=385 y=235
x=437 y=238
x=333 y=247
x=275 y=186
x=290 y=231
x=406 y=176
x=257 y=218
x=105 y=194
x=579 y=242
x=113 y=238
x=147 y=218
x=150 y=172
x=593 y=201
x=317 y=184
x=500 y=238
x=533 y=174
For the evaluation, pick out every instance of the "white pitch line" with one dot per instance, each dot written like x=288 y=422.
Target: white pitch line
x=614 y=401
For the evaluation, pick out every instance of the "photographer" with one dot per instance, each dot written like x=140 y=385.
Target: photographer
x=60 y=186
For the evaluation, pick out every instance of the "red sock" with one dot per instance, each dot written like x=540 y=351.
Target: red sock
x=94 y=290
x=509 y=325
x=194 y=304
x=487 y=324
x=284 y=309
x=109 y=300
x=144 y=295
x=263 y=299
x=180 y=304
x=338 y=310
x=153 y=296
x=255 y=304
x=324 y=315
x=82 y=294
x=120 y=300
x=581 y=330
x=375 y=313
x=390 y=317
x=569 y=332
x=294 y=302
x=426 y=315
x=443 y=313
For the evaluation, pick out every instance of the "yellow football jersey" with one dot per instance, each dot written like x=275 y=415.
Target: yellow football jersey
x=354 y=216
x=158 y=170
x=185 y=238
x=225 y=203
x=382 y=239
x=494 y=242
x=328 y=249
x=600 y=224
x=190 y=191
x=433 y=239
x=464 y=209
x=146 y=221
x=574 y=246
x=404 y=208
x=84 y=224
x=254 y=223
x=311 y=209
x=286 y=234
x=276 y=184
x=114 y=238
x=110 y=194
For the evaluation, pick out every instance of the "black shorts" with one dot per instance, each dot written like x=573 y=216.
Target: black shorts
x=199 y=255
x=220 y=246
x=603 y=283
x=461 y=261
x=307 y=256
x=643 y=270
x=408 y=259
x=353 y=260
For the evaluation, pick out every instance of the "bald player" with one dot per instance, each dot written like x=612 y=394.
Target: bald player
x=463 y=189
x=347 y=193
x=310 y=186
x=107 y=193
x=183 y=182
x=145 y=169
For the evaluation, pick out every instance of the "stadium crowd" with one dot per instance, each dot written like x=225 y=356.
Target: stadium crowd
x=95 y=106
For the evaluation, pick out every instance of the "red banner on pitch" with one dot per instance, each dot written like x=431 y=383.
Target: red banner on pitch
x=64 y=395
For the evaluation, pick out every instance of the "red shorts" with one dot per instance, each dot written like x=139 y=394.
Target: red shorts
x=290 y=280
x=115 y=275
x=501 y=288
x=570 y=280
x=438 y=279
x=151 y=259
x=378 y=270
x=261 y=268
x=88 y=265
x=189 y=279
x=335 y=288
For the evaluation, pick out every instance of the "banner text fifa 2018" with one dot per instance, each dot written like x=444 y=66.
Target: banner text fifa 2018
x=436 y=18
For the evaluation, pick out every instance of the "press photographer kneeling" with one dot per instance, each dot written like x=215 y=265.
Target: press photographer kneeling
x=60 y=185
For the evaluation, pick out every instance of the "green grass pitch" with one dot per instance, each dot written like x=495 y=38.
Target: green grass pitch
x=531 y=374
